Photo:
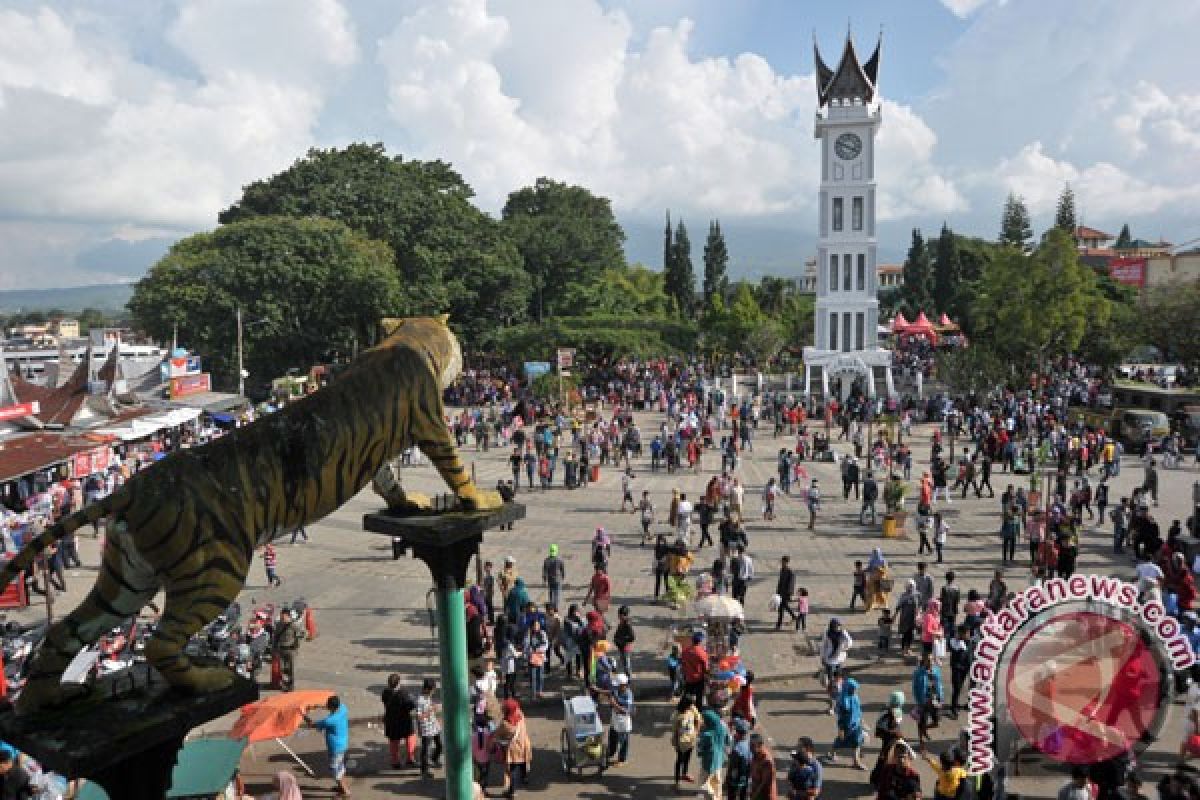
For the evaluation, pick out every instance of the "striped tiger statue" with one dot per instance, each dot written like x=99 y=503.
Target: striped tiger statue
x=190 y=523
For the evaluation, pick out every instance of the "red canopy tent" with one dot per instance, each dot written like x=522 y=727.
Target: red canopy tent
x=921 y=326
x=944 y=320
x=899 y=323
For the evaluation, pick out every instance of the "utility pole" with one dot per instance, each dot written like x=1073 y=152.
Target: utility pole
x=241 y=370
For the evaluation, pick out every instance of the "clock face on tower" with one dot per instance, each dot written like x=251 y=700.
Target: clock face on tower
x=848 y=146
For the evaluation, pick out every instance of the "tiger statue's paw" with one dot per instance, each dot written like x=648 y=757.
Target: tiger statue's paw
x=482 y=500
x=46 y=694
x=410 y=501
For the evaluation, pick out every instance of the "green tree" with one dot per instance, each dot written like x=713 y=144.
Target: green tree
x=668 y=246
x=1168 y=319
x=918 y=274
x=773 y=294
x=1110 y=338
x=1032 y=308
x=977 y=368
x=631 y=290
x=91 y=318
x=947 y=271
x=565 y=235
x=450 y=256
x=742 y=326
x=1015 y=229
x=1064 y=216
x=1124 y=238
x=716 y=259
x=680 y=276
x=306 y=288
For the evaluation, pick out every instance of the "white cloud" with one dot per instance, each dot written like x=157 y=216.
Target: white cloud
x=652 y=127
x=963 y=8
x=1101 y=189
x=101 y=137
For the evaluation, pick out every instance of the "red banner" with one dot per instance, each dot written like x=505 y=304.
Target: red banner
x=1129 y=271
x=88 y=461
x=184 y=385
x=19 y=410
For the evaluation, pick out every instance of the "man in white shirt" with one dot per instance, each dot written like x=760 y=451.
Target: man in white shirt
x=684 y=518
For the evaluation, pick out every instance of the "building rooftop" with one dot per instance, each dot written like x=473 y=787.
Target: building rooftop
x=1084 y=232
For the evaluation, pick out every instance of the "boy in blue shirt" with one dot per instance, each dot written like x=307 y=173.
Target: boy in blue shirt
x=336 y=726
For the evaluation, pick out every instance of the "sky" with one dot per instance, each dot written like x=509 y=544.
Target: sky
x=125 y=126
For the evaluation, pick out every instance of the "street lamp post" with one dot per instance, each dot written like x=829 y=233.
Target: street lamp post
x=241 y=369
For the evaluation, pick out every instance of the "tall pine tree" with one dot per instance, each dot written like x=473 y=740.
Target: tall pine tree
x=1124 y=238
x=668 y=246
x=716 y=259
x=918 y=278
x=1015 y=229
x=1064 y=217
x=679 y=279
x=947 y=271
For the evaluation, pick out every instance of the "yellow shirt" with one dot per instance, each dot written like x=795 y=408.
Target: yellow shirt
x=948 y=779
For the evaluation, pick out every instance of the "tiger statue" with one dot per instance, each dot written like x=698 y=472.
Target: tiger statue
x=190 y=523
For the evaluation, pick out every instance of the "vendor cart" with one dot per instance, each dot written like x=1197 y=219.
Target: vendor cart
x=582 y=736
x=717 y=616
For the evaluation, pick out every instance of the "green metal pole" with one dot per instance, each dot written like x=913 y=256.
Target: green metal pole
x=456 y=732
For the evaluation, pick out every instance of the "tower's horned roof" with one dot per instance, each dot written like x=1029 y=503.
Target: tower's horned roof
x=851 y=79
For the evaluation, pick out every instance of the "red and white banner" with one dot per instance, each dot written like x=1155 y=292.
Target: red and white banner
x=184 y=385
x=1129 y=271
x=18 y=411
x=188 y=365
x=89 y=461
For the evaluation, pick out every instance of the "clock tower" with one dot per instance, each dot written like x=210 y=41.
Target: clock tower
x=846 y=352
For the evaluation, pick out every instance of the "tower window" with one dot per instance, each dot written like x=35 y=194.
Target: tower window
x=847 y=272
x=833 y=273
x=833 y=330
x=846 y=331
x=862 y=273
x=856 y=214
x=837 y=213
x=860 y=328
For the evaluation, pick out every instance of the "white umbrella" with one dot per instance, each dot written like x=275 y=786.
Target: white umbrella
x=719 y=606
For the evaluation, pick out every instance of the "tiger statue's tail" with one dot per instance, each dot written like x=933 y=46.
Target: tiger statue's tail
x=87 y=515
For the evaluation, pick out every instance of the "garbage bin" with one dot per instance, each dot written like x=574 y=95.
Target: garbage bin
x=889 y=526
x=595 y=476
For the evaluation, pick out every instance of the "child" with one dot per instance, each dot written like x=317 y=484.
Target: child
x=858 y=590
x=885 y=632
x=675 y=670
x=802 y=609
x=949 y=776
x=269 y=560
x=940 y=531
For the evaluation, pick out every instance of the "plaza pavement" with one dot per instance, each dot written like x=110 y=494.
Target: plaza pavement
x=373 y=616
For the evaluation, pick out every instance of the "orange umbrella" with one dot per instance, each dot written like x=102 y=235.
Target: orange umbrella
x=277 y=716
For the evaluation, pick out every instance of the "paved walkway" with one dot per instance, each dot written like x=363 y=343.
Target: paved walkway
x=374 y=620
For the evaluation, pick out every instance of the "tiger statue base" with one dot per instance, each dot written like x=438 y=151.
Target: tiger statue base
x=189 y=524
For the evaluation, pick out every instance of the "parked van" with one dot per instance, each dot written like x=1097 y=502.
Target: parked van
x=1135 y=426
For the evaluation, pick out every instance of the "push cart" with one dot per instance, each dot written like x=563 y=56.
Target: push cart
x=582 y=736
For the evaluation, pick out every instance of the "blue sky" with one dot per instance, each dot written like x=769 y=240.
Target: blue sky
x=124 y=126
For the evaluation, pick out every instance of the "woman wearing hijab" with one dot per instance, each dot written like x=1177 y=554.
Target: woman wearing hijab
x=877 y=573
x=286 y=788
x=906 y=617
x=835 y=646
x=517 y=600
x=849 y=723
x=712 y=747
x=512 y=746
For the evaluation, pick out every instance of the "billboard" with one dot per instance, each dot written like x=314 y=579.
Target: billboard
x=1129 y=271
x=535 y=369
x=184 y=385
x=186 y=365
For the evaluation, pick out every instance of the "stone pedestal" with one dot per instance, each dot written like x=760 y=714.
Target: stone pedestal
x=127 y=744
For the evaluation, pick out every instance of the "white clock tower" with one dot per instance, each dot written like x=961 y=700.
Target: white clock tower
x=847 y=309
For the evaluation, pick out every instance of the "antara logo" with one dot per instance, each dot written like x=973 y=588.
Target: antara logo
x=1083 y=679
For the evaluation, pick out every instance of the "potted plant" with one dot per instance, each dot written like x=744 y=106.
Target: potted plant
x=894 y=515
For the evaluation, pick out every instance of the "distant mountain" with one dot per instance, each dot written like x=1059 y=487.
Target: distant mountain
x=104 y=296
